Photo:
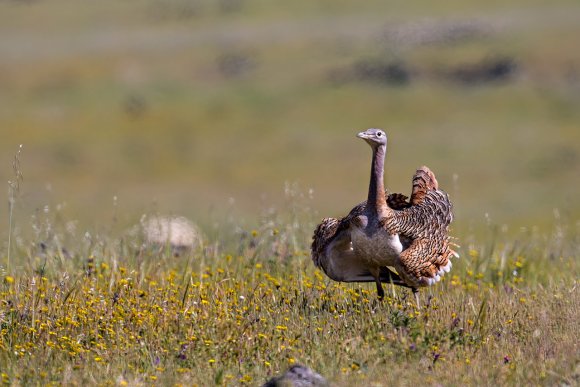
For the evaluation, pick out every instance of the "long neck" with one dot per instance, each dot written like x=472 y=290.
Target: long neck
x=376 y=201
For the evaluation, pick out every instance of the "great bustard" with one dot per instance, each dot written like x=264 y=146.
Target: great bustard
x=387 y=231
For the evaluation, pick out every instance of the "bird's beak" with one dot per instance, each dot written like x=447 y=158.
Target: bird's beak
x=362 y=135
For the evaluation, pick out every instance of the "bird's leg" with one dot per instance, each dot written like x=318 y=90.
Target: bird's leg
x=380 y=291
x=376 y=272
x=388 y=276
x=416 y=293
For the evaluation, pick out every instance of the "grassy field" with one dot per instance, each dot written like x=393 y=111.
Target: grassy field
x=241 y=115
x=240 y=310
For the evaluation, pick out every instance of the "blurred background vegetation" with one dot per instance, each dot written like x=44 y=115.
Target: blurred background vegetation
x=208 y=108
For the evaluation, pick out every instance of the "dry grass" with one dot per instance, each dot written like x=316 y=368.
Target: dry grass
x=250 y=303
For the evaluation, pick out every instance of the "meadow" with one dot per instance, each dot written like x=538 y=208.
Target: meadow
x=241 y=115
x=244 y=307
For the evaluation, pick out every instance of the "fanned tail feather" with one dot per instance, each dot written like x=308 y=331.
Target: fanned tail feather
x=423 y=181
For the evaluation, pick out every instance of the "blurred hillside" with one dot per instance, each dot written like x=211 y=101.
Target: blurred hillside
x=177 y=106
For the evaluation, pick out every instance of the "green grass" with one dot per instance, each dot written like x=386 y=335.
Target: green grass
x=250 y=303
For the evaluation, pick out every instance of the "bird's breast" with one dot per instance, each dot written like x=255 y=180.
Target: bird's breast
x=376 y=246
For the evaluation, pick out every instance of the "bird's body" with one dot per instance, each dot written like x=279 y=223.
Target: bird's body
x=388 y=231
x=352 y=250
x=372 y=243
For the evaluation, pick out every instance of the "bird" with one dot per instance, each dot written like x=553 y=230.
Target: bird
x=410 y=235
x=298 y=375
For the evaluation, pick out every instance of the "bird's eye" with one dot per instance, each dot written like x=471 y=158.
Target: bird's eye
x=379 y=134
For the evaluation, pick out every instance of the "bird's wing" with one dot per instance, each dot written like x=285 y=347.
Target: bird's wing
x=330 y=229
x=323 y=234
x=423 y=181
x=398 y=201
x=356 y=211
x=425 y=261
x=426 y=225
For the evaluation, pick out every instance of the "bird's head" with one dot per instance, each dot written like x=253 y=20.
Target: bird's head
x=374 y=137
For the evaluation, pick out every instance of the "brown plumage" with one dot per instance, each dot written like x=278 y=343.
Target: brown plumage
x=411 y=236
x=425 y=225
